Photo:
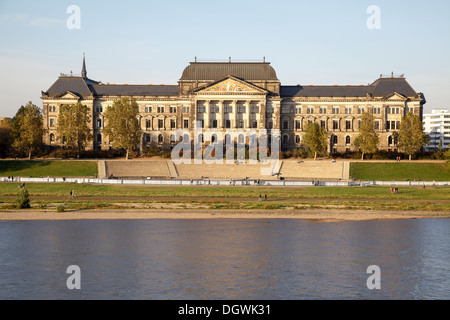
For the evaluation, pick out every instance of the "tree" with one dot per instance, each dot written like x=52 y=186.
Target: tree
x=316 y=138
x=411 y=136
x=5 y=136
x=122 y=124
x=23 y=199
x=367 y=140
x=27 y=129
x=73 y=126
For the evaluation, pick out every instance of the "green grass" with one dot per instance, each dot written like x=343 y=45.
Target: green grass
x=220 y=194
x=41 y=168
x=399 y=171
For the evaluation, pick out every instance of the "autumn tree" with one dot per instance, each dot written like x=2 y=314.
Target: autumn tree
x=73 y=126
x=315 y=138
x=5 y=136
x=367 y=140
x=27 y=128
x=411 y=137
x=122 y=124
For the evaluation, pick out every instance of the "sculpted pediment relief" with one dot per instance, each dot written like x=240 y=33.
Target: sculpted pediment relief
x=231 y=85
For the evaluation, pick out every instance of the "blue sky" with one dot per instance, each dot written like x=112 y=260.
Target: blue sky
x=143 y=42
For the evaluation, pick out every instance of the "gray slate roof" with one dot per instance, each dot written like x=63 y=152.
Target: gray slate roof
x=135 y=90
x=380 y=88
x=218 y=70
x=76 y=85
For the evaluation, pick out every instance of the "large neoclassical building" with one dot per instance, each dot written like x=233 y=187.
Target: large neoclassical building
x=236 y=95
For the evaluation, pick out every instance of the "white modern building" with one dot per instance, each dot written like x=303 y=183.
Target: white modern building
x=437 y=125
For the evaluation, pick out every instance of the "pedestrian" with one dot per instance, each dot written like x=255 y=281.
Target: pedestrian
x=392 y=190
x=396 y=190
x=70 y=194
x=73 y=194
x=265 y=197
x=259 y=199
x=423 y=187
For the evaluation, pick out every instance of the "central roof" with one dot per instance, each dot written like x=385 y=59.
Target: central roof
x=211 y=71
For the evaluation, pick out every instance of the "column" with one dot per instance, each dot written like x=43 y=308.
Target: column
x=248 y=105
x=234 y=106
x=222 y=113
x=208 y=114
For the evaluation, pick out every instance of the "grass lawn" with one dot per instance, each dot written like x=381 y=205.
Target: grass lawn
x=45 y=168
x=399 y=171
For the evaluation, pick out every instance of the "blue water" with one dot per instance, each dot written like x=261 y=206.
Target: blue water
x=225 y=259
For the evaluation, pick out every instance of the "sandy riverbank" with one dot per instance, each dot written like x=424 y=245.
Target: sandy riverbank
x=317 y=215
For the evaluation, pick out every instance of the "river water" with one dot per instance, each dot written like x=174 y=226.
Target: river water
x=267 y=259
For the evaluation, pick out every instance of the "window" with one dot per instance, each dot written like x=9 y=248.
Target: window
x=310 y=110
x=148 y=109
x=241 y=139
x=298 y=110
x=52 y=108
x=390 y=141
x=173 y=109
x=323 y=124
x=228 y=109
x=361 y=110
x=99 y=123
x=99 y=109
x=241 y=123
x=376 y=110
x=270 y=124
x=347 y=140
x=213 y=108
x=52 y=122
x=323 y=110
x=348 y=110
x=298 y=125
x=186 y=123
x=147 y=138
x=160 y=123
x=254 y=124
x=297 y=139
x=214 y=124
x=227 y=124
x=99 y=138
x=335 y=124
x=269 y=110
x=160 y=109
x=255 y=109
x=334 y=139
x=173 y=124
x=186 y=109
x=52 y=137
x=285 y=125
x=172 y=138
x=148 y=123
x=377 y=125
x=348 y=125
x=160 y=139
x=335 y=110
x=241 y=109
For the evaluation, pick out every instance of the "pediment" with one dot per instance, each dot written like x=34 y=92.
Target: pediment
x=68 y=95
x=231 y=85
x=395 y=96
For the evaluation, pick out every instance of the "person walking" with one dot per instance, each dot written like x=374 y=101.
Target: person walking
x=265 y=197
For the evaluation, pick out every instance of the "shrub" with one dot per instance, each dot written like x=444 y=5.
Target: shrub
x=60 y=209
x=23 y=199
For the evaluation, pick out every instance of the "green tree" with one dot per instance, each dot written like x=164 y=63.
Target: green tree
x=411 y=137
x=315 y=138
x=122 y=124
x=27 y=128
x=73 y=126
x=367 y=140
x=23 y=199
x=5 y=136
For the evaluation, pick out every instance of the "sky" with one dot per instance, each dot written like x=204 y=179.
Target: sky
x=323 y=42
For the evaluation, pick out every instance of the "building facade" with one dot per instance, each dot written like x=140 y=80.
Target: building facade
x=234 y=95
x=437 y=125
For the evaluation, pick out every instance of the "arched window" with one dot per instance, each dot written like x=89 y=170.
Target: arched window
x=297 y=139
x=200 y=138
x=52 y=137
x=390 y=140
x=213 y=138
x=172 y=138
x=99 y=138
x=347 y=140
x=227 y=139
x=147 y=138
x=334 y=139
x=160 y=139
x=285 y=139
x=241 y=138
